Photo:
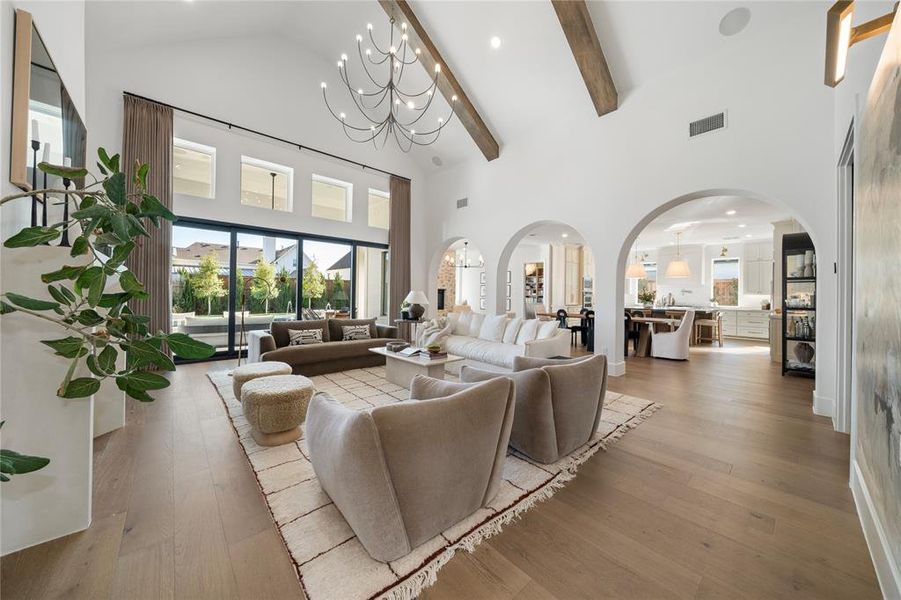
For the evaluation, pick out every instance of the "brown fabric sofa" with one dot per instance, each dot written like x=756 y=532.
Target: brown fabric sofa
x=558 y=403
x=334 y=354
x=402 y=473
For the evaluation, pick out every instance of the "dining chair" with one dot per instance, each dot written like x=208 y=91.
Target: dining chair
x=675 y=344
x=631 y=333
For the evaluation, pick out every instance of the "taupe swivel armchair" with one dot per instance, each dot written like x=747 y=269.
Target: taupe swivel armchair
x=558 y=403
x=403 y=473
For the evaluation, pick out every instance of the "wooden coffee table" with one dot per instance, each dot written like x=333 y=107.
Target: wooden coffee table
x=400 y=370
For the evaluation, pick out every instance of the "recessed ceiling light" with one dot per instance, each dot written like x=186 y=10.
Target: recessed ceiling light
x=730 y=212
x=495 y=42
x=566 y=235
x=735 y=21
x=741 y=225
x=436 y=160
x=747 y=235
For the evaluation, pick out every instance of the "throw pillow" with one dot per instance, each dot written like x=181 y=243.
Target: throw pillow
x=547 y=329
x=303 y=337
x=355 y=332
x=493 y=328
x=475 y=325
x=527 y=331
x=512 y=330
x=462 y=326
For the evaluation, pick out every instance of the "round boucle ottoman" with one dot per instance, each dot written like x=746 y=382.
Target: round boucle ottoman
x=275 y=407
x=245 y=373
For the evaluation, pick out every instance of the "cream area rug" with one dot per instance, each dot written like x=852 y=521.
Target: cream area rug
x=330 y=562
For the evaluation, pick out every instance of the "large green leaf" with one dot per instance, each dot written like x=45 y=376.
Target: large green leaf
x=95 y=211
x=111 y=300
x=58 y=294
x=115 y=188
x=135 y=227
x=107 y=359
x=67 y=272
x=82 y=387
x=90 y=317
x=119 y=255
x=111 y=163
x=130 y=283
x=141 y=175
x=142 y=380
x=60 y=171
x=69 y=347
x=151 y=206
x=88 y=277
x=142 y=354
x=80 y=246
x=31 y=303
x=32 y=236
x=6 y=308
x=186 y=347
x=95 y=291
x=120 y=226
x=13 y=463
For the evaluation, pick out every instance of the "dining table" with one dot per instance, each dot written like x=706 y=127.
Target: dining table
x=587 y=335
x=644 y=333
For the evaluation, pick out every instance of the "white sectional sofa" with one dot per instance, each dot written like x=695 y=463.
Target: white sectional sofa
x=491 y=342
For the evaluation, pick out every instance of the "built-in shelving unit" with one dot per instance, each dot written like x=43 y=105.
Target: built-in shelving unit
x=533 y=282
x=799 y=288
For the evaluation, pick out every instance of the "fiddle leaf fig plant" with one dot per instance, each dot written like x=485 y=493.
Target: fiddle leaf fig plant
x=109 y=222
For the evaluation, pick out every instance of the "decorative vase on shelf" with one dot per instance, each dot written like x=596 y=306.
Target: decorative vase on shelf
x=804 y=352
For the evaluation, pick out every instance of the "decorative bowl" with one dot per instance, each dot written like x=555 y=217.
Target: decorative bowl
x=396 y=346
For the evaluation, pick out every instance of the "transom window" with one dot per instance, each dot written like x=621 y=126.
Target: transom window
x=379 y=209
x=725 y=273
x=332 y=199
x=265 y=184
x=195 y=169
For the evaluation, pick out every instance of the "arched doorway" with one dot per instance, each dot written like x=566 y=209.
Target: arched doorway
x=729 y=242
x=456 y=275
x=545 y=266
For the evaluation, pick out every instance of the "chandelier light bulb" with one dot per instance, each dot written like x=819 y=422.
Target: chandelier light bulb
x=343 y=116
x=360 y=91
x=418 y=52
x=392 y=49
x=359 y=38
x=397 y=101
x=368 y=52
x=404 y=37
x=437 y=67
x=369 y=26
x=428 y=93
x=440 y=120
x=454 y=98
x=340 y=64
x=343 y=58
x=323 y=85
x=410 y=104
x=412 y=132
x=403 y=26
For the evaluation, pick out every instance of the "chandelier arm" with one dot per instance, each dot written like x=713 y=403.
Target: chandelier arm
x=358 y=103
x=375 y=44
x=366 y=69
x=432 y=87
x=373 y=133
x=400 y=145
x=337 y=117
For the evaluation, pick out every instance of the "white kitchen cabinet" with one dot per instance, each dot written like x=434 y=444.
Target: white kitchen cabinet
x=746 y=324
x=758 y=268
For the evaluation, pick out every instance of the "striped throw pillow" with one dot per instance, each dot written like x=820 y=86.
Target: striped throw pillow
x=302 y=337
x=355 y=332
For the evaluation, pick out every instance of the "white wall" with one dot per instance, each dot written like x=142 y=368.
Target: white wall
x=619 y=169
x=263 y=84
x=56 y=500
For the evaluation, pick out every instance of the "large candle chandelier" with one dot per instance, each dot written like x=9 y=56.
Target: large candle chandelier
x=463 y=262
x=385 y=109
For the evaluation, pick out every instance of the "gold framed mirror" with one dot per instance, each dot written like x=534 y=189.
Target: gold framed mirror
x=45 y=124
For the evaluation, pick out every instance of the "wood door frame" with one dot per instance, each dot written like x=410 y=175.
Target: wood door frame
x=846 y=273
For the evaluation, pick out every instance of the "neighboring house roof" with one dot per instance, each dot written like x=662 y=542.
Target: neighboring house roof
x=341 y=264
x=248 y=257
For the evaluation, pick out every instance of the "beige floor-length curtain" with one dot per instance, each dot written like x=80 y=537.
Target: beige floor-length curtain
x=147 y=138
x=399 y=245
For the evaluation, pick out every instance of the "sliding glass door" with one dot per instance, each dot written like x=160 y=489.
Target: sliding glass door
x=201 y=284
x=229 y=280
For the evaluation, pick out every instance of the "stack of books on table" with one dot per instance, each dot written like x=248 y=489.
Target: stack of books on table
x=421 y=353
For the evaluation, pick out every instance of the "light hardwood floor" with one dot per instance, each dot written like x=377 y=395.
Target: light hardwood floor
x=733 y=490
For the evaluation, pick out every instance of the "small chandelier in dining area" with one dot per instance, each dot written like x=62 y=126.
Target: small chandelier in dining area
x=463 y=262
x=382 y=107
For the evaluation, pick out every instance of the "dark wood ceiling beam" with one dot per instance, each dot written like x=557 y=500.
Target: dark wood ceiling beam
x=401 y=12
x=583 y=41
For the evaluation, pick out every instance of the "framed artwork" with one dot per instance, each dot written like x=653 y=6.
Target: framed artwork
x=482 y=304
x=483 y=290
x=482 y=277
x=508 y=305
x=509 y=290
x=509 y=277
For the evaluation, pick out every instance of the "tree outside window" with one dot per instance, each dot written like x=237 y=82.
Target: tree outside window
x=725 y=281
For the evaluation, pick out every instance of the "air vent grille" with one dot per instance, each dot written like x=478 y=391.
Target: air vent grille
x=707 y=124
x=462 y=202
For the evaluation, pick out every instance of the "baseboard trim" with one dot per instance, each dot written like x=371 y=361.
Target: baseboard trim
x=616 y=369
x=880 y=551
x=823 y=406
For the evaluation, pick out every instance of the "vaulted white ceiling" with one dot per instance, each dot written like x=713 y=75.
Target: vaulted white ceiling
x=527 y=83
